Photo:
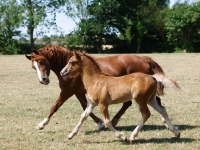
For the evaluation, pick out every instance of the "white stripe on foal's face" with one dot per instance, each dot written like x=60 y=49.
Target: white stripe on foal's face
x=38 y=71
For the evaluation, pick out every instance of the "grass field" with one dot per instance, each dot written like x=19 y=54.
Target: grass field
x=24 y=102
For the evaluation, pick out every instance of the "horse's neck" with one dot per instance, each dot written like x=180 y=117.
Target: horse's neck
x=58 y=60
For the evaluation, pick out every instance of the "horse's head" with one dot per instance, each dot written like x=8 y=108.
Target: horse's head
x=73 y=66
x=41 y=65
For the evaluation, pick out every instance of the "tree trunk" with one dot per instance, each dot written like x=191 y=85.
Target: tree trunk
x=138 y=47
x=31 y=38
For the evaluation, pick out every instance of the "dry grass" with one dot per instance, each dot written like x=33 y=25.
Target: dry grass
x=24 y=102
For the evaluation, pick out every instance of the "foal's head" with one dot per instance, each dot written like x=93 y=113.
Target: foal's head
x=73 y=66
x=41 y=65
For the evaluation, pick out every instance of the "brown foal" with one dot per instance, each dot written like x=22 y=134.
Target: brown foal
x=103 y=90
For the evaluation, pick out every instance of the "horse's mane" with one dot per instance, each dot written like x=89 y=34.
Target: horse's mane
x=96 y=68
x=55 y=52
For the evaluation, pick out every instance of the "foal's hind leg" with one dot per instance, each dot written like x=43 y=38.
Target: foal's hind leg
x=159 y=103
x=107 y=122
x=160 y=109
x=84 y=116
x=145 y=115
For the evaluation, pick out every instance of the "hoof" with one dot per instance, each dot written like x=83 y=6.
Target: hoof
x=69 y=137
x=101 y=126
x=38 y=127
x=177 y=137
x=131 y=141
x=114 y=122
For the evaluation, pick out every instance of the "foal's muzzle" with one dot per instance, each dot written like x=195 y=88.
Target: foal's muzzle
x=64 y=73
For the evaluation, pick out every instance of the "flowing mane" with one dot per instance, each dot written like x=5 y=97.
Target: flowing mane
x=55 y=52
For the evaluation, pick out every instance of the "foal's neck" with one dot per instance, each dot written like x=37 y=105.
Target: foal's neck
x=91 y=70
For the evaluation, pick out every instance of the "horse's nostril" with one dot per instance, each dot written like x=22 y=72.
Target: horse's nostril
x=44 y=79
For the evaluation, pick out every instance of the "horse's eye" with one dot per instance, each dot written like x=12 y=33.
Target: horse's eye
x=71 y=62
x=41 y=62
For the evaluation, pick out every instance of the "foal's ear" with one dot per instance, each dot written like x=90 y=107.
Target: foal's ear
x=28 y=57
x=76 y=55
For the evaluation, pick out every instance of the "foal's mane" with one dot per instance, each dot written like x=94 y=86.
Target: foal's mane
x=94 y=66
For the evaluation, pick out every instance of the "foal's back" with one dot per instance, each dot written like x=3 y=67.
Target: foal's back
x=137 y=86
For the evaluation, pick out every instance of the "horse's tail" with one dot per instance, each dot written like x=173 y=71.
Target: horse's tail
x=156 y=68
x=162 y=81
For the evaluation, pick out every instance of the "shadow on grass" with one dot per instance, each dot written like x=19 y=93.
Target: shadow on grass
x=160 y=140
x=152 y=140
x=146 y=128
x=155 y=127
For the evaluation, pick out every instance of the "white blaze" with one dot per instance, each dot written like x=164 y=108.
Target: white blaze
x=38 y=71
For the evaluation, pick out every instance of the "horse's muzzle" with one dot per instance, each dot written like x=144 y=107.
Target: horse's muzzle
x=45 y=81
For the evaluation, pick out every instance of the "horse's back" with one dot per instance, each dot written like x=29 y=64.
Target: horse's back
x=123 y=64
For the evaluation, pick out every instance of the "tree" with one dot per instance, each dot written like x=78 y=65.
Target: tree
x=134 y=20
x=182 y=25
x=35 y=14
x=10 y=20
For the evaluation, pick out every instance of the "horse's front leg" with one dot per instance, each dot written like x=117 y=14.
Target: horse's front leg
x=84 y=116
x=125 y=106
x=61 y=99
x=82 y=99
x=107 y=122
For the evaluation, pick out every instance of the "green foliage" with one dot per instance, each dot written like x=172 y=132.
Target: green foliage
x=10 y=20
x=136 y=21
x=35 y=14
x=182 y=26
x=130 y=26
x=10 y=47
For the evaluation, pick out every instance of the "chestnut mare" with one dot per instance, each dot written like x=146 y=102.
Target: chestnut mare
x=103 y=90
x=53 y=57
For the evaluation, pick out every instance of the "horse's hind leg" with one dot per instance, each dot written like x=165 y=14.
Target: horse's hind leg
x=145 y=115
x=107 y=122
x=160 y=109
x=125 y=106
x=84 y=116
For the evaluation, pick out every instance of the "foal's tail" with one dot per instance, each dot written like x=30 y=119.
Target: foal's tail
x=162 y=81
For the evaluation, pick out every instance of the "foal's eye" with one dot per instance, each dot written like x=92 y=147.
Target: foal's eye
x=41 y=62
x=71 y=62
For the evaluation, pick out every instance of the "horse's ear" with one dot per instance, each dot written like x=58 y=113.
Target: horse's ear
x=28 y=57
x=35 y=51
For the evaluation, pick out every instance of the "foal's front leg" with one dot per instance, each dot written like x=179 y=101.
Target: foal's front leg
x=82 y=99
x=107 y=122
x=84 y=116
